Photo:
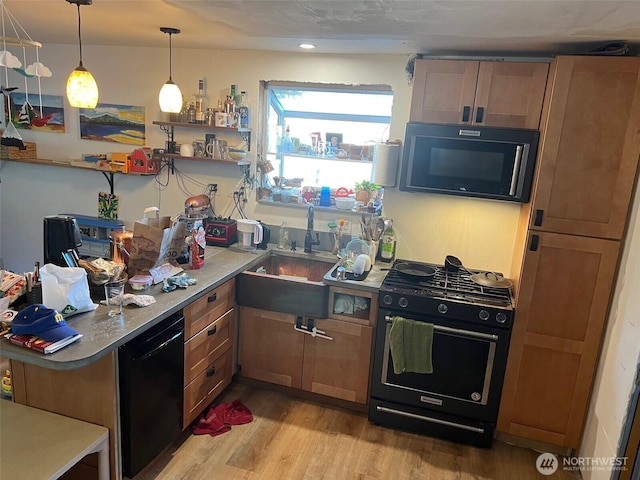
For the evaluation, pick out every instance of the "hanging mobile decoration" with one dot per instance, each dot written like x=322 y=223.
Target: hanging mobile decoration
x=27 y=115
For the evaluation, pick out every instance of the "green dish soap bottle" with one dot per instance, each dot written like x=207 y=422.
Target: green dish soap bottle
x=388 y=248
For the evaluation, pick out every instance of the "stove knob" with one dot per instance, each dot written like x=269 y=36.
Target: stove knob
x=403 y=302
x=442 y=308
x=501 y=317
x=484 y=315
x=387 y=299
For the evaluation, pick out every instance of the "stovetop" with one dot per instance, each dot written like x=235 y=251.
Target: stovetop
x=446 y=285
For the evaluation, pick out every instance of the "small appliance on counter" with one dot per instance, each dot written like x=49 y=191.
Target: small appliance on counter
x=61 y=240
x=95 y=235
x=221 y=232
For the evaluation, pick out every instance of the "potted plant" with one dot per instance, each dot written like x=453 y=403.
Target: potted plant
x=366 y=191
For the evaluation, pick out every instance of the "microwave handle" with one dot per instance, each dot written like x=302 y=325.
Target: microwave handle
x=516 y=170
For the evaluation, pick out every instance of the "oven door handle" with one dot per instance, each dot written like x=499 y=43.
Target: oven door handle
x=314 y=332
x=456 y=331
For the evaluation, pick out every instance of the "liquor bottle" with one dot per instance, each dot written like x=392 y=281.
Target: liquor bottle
x=235 y=94
x=243 y=110
x=388 y=250
x=200 y=103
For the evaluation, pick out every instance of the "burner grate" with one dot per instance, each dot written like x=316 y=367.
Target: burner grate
x=449 y=285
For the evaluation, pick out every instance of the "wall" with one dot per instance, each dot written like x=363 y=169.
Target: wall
x=619 y=359
x=480 y=232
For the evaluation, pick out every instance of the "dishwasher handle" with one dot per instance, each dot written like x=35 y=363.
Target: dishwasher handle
x=156 y=350
x=158 y=340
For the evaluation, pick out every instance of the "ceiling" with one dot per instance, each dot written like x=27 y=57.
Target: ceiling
x=438 y=27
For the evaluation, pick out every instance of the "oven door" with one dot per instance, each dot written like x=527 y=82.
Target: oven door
x=468 y=369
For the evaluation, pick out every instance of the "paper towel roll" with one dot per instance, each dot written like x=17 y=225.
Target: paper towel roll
x=385 y=163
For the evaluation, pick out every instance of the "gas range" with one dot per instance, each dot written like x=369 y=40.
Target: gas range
x=448 y=294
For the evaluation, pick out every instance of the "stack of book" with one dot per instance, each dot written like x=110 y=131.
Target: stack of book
x=39 y=345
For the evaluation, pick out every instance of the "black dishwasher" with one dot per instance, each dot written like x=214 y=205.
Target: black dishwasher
x=151 y=388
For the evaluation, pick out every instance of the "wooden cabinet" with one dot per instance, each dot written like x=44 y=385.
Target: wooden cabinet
x=587 y=167
x=560 y=317
x=208 y=349
x=272 y=350
x=589 y=147
x=496 y=94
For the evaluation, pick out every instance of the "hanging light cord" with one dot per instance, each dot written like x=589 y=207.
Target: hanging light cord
x=170 y=49
x=79 y=36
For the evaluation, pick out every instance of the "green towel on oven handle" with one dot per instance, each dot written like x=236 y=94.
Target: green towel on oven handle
x=410 y=342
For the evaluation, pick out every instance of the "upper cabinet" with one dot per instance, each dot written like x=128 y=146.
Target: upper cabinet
x=589 y=150
x=493 y=94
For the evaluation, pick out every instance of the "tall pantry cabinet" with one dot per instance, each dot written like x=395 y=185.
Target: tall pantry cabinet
x=587 y=167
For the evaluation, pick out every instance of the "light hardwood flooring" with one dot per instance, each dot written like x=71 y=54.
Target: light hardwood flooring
x=294 y=438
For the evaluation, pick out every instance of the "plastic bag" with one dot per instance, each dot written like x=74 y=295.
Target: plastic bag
x=66 y=289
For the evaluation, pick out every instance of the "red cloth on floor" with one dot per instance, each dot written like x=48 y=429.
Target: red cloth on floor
x=219 y=418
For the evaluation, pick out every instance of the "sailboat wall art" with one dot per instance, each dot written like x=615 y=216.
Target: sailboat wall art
x=113 y=123
x=25 y=112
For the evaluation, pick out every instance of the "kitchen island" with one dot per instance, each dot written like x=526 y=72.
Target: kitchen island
x=82 y=380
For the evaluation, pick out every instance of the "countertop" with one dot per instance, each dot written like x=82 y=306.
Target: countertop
x=102 y=334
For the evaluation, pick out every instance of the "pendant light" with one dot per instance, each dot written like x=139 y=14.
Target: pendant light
x=82 y=89
x=170 y=97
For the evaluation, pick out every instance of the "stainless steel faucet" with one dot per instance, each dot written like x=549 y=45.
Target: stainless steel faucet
x=308 y=238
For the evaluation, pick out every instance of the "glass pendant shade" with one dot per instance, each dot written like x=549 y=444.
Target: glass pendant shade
x=170 y=98
x=82 y=89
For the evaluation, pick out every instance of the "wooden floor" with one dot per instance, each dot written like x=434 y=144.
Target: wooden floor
x=292 y=438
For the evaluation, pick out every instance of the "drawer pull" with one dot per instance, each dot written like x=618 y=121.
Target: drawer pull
x=211 y=372
x=213 y=297
x=213 y=330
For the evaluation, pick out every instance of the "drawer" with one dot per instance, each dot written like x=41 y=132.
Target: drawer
x=207 y=308
x=208 y=344
x=206 y=387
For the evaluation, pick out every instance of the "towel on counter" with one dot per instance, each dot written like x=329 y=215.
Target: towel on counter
x=219 y=418
x=410 y=342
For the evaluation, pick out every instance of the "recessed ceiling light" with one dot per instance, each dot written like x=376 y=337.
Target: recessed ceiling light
x=308 y=46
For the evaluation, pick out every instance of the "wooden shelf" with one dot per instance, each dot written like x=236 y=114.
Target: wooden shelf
x=199 y=159
x=202 y=126
x=168 y=128
x=66 y=164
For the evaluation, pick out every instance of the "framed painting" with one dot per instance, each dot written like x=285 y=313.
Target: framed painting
x=33 y=111
x=113 y=123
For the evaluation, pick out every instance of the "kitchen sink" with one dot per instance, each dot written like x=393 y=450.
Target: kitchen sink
x=288 y=284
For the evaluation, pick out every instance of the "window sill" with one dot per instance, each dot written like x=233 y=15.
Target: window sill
x=317 y=208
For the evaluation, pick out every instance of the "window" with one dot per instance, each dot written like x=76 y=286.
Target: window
x=319 y=136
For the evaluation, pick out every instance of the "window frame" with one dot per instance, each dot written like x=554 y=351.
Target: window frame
x=269 y=100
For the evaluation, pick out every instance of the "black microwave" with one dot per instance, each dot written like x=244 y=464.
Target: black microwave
x=482 y=162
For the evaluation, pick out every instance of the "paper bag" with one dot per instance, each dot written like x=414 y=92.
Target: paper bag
x=156 y=241
x=66 y=289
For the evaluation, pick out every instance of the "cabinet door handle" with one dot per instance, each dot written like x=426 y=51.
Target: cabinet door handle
x=538 y=220
x=212 y=298
x=466 y=112
x=534 y=243
x=479 y=114
x=211 y=372
x=313 y=332
x=213 y=330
